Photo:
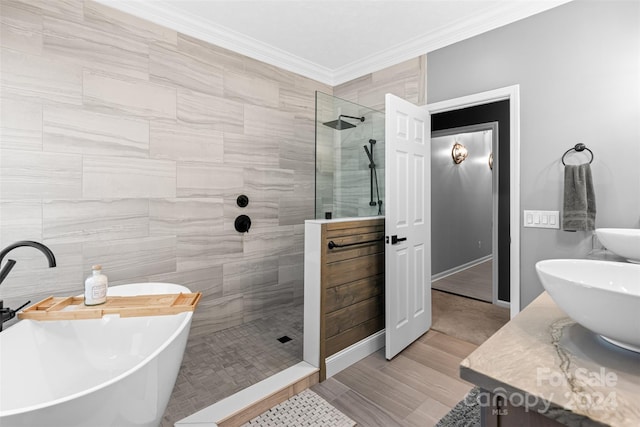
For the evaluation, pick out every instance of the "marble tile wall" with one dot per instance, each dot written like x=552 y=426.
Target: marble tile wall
x=351 y=194
x=406 y=80
x=125 y=143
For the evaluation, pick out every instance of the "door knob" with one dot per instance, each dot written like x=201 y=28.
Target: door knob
x=395 y=239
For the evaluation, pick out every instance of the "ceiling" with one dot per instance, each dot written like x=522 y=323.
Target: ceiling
x=332 y=41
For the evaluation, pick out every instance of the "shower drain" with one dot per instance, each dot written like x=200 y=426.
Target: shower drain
x=284 y=339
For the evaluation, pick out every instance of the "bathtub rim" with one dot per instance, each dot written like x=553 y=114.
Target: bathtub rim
x=180 y=329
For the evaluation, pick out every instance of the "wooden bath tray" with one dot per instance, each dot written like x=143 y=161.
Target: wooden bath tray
x=69 y=308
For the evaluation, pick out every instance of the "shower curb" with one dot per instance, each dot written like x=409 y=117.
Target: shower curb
x=252 y=401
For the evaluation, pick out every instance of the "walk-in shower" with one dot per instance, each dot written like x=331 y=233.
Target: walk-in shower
x=349 y=180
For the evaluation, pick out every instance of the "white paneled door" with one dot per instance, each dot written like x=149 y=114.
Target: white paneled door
x=407 y=223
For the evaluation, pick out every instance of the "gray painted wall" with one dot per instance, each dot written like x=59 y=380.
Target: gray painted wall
x=461 y=201
x=577 y=66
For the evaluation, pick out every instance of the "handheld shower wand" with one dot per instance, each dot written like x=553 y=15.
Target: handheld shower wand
x=373 y=176
x=366 y=149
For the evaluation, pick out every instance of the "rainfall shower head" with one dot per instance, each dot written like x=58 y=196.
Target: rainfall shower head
x=341 y=124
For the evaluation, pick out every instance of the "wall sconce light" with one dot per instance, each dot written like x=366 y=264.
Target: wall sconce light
x=459 y=153
x=491 y=160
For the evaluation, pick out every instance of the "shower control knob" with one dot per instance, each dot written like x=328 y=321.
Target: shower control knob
x=242 y=224
x=242 y=201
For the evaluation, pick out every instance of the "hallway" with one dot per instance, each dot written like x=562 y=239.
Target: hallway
x=474 y=282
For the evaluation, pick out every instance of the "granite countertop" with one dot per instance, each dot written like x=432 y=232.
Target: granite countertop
x=545 y=361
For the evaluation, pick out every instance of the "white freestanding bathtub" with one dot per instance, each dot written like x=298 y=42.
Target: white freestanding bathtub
x=94 y=372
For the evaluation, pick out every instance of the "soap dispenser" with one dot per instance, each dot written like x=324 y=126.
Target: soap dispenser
x=95 y=287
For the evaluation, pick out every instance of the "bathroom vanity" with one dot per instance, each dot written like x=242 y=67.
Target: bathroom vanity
x=544 y=369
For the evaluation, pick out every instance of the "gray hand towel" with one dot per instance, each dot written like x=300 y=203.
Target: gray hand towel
x=579 y=211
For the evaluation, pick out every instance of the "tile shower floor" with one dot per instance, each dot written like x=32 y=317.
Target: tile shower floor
x=220 y=364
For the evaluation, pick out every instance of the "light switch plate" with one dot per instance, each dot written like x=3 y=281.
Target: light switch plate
x=542 y=219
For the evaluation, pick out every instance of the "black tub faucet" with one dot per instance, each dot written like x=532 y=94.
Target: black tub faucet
x=10 y=263
x=7 y=313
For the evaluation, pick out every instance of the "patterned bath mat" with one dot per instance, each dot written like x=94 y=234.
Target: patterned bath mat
x=303 y=409
x=465 y=414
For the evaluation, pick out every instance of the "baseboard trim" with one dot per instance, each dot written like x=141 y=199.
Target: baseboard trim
x=355 y=352
x=465 y=266
x=252 y=401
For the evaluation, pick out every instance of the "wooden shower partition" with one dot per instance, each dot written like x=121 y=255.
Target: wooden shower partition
x=352 y=284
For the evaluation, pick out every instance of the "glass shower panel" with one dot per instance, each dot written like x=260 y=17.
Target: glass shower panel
x=349 y=159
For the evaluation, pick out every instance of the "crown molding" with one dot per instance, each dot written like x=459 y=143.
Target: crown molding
x=506 y=13
x=166 y=15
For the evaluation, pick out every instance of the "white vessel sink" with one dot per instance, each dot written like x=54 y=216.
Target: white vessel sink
x=603 y=296
x=622 y=241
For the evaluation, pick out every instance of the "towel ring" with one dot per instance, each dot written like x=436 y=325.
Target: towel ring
x=578 y=147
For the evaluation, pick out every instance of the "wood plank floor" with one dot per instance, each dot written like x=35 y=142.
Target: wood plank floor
x=474 y=282
x=465 y=318
x=422 y=383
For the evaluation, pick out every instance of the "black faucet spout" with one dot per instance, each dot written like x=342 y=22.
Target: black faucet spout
x=6 y=269
x=6 y=313
x=10 y=263
x=42 y=248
